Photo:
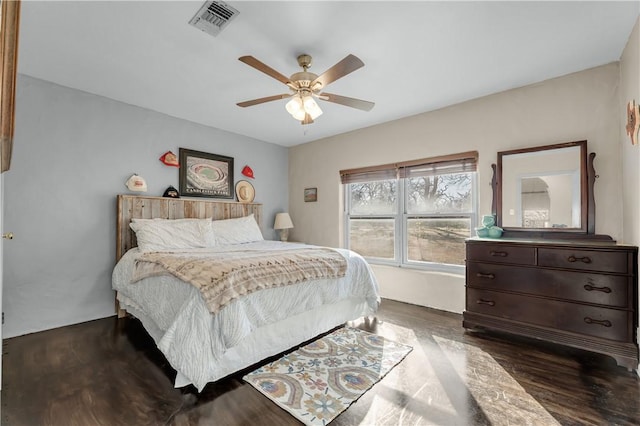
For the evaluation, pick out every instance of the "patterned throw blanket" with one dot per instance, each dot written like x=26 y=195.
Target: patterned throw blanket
x=222 y=277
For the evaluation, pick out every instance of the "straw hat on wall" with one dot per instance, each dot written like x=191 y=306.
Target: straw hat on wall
x=245 y=191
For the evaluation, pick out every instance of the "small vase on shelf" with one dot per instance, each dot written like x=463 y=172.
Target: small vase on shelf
x=488 y=221
x=495 y=232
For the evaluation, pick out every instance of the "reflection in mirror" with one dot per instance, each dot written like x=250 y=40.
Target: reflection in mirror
x=540 y=193
x=543 y=188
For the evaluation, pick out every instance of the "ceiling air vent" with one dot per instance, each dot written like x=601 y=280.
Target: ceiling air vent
x=213 y=17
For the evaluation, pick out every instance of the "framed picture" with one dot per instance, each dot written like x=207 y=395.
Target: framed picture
x=205 y=175
x=310 y=194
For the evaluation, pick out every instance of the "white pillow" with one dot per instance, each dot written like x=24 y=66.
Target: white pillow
x=237 y=231
x=172 y=234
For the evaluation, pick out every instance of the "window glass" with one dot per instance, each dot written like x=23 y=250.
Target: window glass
x=440 y=193
x=372 y=237
x=437 y=240
x=374 y=198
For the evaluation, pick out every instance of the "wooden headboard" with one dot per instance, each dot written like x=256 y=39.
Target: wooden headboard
x=142 y=207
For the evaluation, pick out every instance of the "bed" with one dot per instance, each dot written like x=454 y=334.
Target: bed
x=205 y=340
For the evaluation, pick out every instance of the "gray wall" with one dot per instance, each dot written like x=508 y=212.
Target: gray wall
x=73 y=153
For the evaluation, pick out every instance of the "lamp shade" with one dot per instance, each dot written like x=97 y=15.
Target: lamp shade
x=311 y=107
x=294 y=105
x=283 y=221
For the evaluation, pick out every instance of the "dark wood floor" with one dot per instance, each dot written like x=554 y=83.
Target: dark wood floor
x=108 y=372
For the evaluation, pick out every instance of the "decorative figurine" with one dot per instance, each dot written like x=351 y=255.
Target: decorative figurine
x=633 y=121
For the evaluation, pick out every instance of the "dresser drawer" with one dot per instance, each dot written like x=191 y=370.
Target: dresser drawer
x=594 y=321
x=608 y=290
x=493 y=276
x=501 y=253
x=581 y=259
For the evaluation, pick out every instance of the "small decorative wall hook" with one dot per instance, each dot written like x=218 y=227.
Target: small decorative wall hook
x=633 y=121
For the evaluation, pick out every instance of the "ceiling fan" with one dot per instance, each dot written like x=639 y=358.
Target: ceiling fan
x=305 y=86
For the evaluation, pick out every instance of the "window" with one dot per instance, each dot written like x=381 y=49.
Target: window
x=372 y=225
x=415 y=213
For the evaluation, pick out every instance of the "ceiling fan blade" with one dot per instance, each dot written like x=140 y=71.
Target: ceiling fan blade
x=346 y=66
x=263 y=100
x=346 y=101
x=260 y=66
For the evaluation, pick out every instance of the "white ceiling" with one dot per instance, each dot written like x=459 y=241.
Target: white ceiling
x=419 y=55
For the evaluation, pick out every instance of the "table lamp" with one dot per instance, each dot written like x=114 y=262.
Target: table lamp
x=283 y=224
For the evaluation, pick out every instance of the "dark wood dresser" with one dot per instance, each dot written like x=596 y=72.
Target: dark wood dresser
x=579 y=294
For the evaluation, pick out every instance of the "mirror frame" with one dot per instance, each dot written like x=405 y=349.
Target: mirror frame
x=587 y=204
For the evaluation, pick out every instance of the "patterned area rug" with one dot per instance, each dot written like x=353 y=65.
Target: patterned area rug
x=320 y=380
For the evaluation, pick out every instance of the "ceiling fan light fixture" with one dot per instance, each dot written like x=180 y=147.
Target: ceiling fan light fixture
x=311 y=107
x=299 y=115
x=294 y=105
x=315 y=114
x=300 y=105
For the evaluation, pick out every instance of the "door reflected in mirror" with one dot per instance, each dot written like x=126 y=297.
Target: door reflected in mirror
x=545 y=203
x=542 y=189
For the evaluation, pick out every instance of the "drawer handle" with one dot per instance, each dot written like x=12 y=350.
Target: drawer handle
x=498 y=253
x=589 y=287
x=481 y=275
x=585 y=259
x=605 y=323
x=485 y=302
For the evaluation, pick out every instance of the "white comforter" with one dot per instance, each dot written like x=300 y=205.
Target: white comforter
x=194 y=341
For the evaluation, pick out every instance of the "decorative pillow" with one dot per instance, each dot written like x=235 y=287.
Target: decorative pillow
x=172 y=234
x=237 y=231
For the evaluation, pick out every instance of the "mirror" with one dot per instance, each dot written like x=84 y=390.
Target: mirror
x=543 y=188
